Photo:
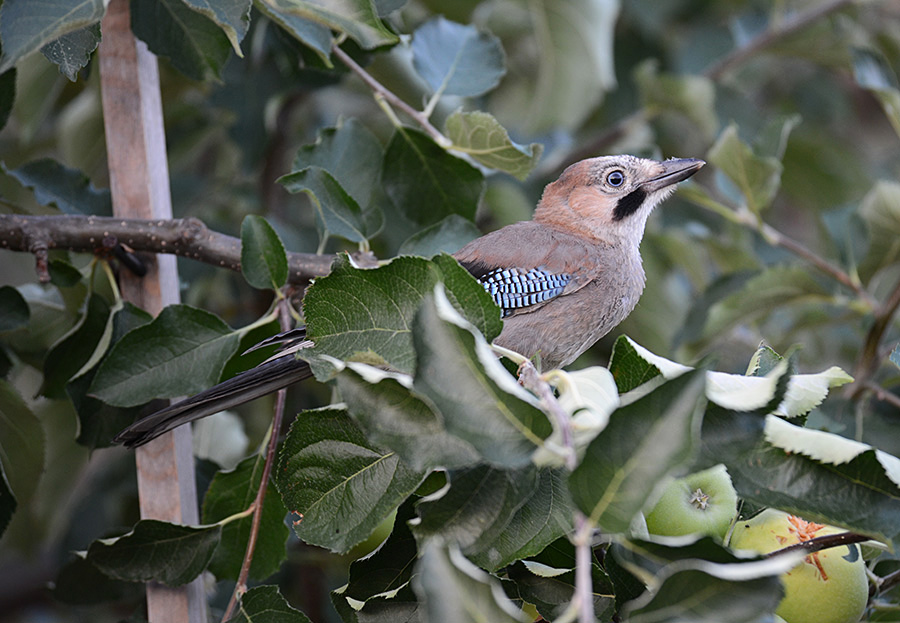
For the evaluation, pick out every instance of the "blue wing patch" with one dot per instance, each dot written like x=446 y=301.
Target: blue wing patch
x=514 y=289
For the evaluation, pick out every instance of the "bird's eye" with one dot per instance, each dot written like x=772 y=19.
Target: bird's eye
x=615 y=179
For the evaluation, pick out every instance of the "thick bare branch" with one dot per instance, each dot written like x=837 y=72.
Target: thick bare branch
x=188 y=237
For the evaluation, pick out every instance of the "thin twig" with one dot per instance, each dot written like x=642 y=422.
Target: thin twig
x=889 y=581
x=766 y=39
x=582 y=599
x=772 y=35
x=869 y=359
x=882 y=394
x=390 y=97
x=532 y=380
x=777 y=238
x=240 y=587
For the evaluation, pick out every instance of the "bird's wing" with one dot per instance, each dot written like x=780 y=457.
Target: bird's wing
x=525 y=266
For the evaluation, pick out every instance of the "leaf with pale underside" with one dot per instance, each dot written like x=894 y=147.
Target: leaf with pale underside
x=643 y=442
x=357 y=18
x=26 y=26
x=482 y=137
x=232 y=16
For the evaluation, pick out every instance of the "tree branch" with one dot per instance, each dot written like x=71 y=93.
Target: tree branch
x=763 y=40
x=99 y=235
x=771 y=36
x=869 y=358
x=582 y=605
x=390 y=96
x=240 y=587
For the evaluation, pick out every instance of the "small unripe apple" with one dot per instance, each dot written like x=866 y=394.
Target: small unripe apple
x=829 y=586
x=700 y=503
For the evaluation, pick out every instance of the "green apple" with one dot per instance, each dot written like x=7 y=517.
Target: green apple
x=700 y=503
x=829 y=586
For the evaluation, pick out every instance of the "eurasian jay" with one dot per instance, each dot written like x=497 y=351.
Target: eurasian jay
x=562 y=280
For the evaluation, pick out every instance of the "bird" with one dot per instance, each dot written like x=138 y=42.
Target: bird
x=562 y=280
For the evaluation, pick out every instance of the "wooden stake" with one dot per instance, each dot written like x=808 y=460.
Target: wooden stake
x=139 y=181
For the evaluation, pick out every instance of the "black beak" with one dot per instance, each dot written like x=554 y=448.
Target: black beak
x=674 y=171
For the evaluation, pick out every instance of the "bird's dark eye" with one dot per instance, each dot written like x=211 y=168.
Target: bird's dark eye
x=615 y=179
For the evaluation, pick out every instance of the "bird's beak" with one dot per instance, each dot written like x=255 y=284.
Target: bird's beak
x=674 y=171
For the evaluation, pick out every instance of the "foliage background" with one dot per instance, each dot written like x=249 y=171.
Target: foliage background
x=818 y=108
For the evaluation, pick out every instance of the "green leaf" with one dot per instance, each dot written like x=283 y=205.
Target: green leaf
x=156 y=551
x=181 y=352
x=341 y=173
x=818 y=476
x=337 y=213
x=643 y=442
x=479 y=400
x=588 y=396
x=873 y=72
x=415 y=167
x=98 y=422
x=263 y=259
x=689 y=95
x=14 y=312
x=756 y=392
x=758 y=178
x=76 y=348
x=70 y=190
x=498 y=516
x=707 y=593
x=26 y=26
x=7 y=499
x=454 y=59
x=311 y=34
x=453 y=589
x=72 y=52
x=367 y=314
x=342 y=486
x=232 y=16
x=773 y=288
x=265 y=604
x=80 y=583
x=895 y=356
x=63 y=274
x=22 y=444
x=230 y=493
x=446 y=236
x=350 y=153
x=880 y=209
x=629 y=367
x=194 y=44
x=356 y=18
x=548 y=582
x=7 y=95
x=390 y=567
x=482 y=137
x=396 y=417
x=565 y=81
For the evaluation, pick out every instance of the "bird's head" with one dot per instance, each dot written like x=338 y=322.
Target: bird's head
x=610 y=197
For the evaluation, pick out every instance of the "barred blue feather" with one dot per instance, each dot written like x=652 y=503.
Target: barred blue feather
x=514 y=289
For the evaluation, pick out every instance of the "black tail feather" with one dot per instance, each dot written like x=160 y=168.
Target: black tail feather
x=265 y=378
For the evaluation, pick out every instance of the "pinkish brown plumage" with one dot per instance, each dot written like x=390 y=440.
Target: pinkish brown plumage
x=586 y=231
x=562 y=280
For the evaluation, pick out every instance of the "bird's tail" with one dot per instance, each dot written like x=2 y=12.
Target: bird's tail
x=266 y=378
